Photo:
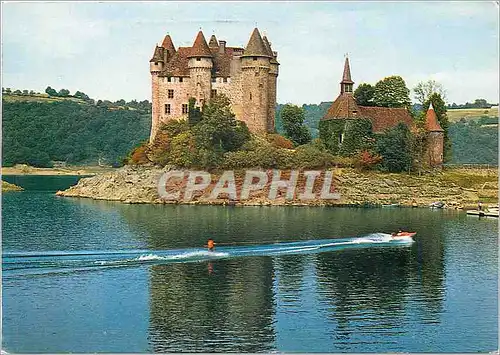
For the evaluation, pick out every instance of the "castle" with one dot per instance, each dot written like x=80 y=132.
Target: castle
x=247 y=76
x=345 y=113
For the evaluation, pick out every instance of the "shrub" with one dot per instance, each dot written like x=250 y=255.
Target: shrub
x=278 y=141
x=366 y=160
x=139 y=156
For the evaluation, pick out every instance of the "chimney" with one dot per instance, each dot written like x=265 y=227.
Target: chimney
x=222 y=46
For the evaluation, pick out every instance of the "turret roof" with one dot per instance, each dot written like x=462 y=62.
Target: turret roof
x=256 y=46
x=431 y=121
x=213 y=42
x=168 y=44
x=269 y=50
x=157 y=55
x=200 y=47
x=346 y=77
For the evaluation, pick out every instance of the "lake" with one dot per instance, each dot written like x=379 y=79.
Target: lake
x=96 y=276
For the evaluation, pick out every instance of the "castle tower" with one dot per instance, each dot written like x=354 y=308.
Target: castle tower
x=156 y=66
x=272 y=86
x=200 y=69
x=255 y=68
x=435 y=138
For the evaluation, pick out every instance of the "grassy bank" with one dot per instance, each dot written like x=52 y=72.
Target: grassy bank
x=455 y=115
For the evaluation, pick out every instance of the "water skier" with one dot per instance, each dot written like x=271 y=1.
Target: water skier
x=210 y=244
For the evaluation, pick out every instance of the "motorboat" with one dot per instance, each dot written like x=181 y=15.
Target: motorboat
x=403 y=235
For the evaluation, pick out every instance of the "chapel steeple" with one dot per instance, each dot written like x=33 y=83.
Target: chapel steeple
x=346 y=83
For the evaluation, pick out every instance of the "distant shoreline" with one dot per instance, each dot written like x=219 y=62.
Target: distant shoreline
x=75 y=171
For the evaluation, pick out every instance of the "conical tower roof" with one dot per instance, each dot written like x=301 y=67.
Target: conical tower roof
x=213 y=42
x=256 y=46
x=200 y=47
x=168 y=44
x=157 y=55
x=431 y=121
x=346 y=77
x=267 y=46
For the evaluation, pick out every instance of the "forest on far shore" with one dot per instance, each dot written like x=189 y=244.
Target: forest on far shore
x=39 y=129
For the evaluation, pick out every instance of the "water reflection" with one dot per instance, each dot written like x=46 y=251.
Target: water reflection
x=228 y=308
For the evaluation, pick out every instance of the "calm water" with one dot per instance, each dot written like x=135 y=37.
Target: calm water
x=94 y=276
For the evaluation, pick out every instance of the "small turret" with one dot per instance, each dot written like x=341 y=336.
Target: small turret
x=435 y=138
x=213 y=43
x=157 y=62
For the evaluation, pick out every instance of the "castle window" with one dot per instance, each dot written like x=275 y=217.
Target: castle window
x=169 y=79
x=250 y=96
x=214 y=80
x=198 y=59
x=225 y=80
x=213 y=93
x=254 y=58
x=180 y=79
x=170 y=93
x=167 y=109
x=156 y=63
x=184 y=109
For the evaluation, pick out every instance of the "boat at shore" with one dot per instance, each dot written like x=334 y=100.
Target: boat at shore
x=488 y=212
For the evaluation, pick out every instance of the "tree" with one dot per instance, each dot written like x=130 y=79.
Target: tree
x=26 y=92
x=81 y=95
x=364 y=95
x=293 y=122
x=63 y=93
x=18 y=92
x=424 y=90
x=194 y=113
x=219 y=131
x=50 y=91
x=394 y=146
x=440 y=110
x=391 y=92
x=8 y=91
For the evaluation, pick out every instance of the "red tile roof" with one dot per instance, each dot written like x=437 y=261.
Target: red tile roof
x=386 y=117
x=343 y=107
x=431 y=121
x=200 y=47
x=178 y=65
x=168 y=44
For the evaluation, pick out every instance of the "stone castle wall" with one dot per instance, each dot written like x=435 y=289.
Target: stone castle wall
x=251 y=89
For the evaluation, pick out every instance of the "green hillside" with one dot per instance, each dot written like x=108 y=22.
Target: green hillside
x=37 y=130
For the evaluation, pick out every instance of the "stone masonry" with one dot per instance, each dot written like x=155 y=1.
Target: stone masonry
x=247 y=76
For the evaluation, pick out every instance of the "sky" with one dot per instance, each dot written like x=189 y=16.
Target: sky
x=104 y=48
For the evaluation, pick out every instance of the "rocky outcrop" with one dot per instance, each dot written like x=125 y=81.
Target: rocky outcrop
x=140 y=185
x=6 y=186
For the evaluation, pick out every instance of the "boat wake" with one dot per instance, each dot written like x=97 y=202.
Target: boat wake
x=31 y=263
